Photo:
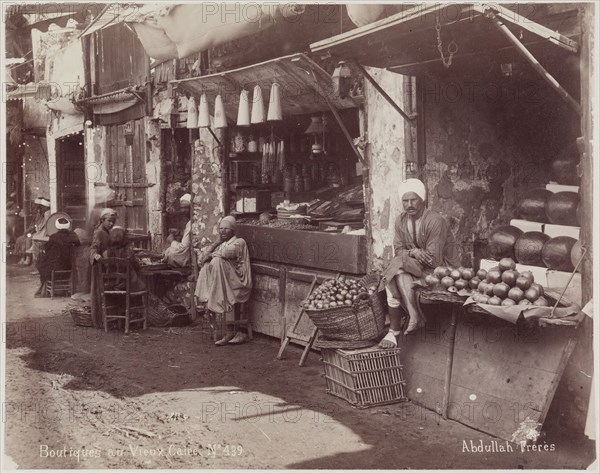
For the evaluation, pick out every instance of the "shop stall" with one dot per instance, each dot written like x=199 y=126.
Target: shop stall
x=293 y=177
x=480 y=155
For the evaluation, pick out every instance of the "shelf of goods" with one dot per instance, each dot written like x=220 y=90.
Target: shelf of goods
x=544 y=238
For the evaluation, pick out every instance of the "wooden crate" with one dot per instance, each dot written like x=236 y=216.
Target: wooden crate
x=365 y=377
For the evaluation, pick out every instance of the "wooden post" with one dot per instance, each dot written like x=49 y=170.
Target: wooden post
x=533 y=61
x=193 y=309
x=585 y=167
x=450 y=360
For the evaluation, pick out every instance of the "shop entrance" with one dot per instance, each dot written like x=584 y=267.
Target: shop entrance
x=71 y=182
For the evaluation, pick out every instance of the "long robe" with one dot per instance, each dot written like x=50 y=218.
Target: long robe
x=99 y=245
x=433 y=234
x=226 y=279
x=178 y=253
x=57 y=254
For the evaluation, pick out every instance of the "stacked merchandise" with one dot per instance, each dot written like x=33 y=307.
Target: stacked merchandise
x=544 y=240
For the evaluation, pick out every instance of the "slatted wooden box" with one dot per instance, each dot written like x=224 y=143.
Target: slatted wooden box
x=365 y=377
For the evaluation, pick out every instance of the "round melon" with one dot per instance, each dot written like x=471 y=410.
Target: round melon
x=533 y=205
x=561 y=208
x=501 y=242
x=564 y=168
x=528 y=248
x=576 y=253
x=556 y=253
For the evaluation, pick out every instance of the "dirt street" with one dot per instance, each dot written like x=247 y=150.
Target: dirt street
x=79 y=398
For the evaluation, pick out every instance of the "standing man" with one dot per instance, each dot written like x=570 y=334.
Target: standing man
x=422 y=241
x=40 y=235
x=178 y=253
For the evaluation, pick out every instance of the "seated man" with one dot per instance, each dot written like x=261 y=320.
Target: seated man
x=422 y=241
x=225 y=278
x=178 y=253
x=57 y=253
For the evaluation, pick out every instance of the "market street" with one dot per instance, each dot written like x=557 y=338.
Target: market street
x=169 y=398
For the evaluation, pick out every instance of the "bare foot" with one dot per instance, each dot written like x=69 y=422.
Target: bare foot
x=221 y=342
x=389 y=341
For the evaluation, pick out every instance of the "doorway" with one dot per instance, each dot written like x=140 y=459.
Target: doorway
x=71 y=182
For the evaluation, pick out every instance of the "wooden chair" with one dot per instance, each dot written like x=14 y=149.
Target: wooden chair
x=61 y=281
x=117 y=283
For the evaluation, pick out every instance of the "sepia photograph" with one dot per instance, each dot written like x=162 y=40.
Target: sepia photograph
x=320 y=236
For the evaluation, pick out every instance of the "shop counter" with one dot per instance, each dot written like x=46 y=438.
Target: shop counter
x=335 y=252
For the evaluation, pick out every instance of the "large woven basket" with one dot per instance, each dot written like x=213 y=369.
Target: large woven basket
x=363 y=321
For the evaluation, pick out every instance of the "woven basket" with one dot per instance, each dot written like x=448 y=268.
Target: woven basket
x=363 y=321
x=82 y=316
x=161 y=315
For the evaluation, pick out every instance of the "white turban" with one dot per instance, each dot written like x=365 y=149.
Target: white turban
x=412 y=185
x=63 y=223
x=186 y=197
x=44 y=202
x=107 y=212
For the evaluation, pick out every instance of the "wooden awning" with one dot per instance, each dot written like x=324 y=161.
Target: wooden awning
x=300 y=92
x=409 y=42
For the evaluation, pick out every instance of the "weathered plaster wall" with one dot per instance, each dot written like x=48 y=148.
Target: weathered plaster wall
x=207 y=187
x=386 y=158
x=486 y=144
x=95 y=167
x=153 y=177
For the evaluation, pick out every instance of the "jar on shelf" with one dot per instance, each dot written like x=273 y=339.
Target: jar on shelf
x=252 y=144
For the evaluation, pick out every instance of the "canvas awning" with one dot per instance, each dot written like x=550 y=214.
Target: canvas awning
x=118 y=106
x=300 y=93
x=179 y=30
x=409 y=42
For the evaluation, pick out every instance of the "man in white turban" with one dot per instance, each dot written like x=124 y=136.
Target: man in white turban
x=57 y=253
x=422 y=241
x=178 y=253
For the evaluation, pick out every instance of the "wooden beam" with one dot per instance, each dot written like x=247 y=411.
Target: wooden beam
x=528 y=24
x=533 y=61
x=409 y=118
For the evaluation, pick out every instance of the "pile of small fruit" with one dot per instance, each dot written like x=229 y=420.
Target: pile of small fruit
x=502 y=285
x=338 y=292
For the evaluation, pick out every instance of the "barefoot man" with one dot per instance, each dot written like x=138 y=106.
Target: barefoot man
x=422 y=241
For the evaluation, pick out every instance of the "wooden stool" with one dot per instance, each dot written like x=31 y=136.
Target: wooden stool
x=220 y=324
x=243 y=318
